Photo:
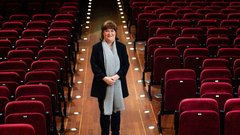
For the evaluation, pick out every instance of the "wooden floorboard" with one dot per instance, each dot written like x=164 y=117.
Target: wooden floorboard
x=83 y=112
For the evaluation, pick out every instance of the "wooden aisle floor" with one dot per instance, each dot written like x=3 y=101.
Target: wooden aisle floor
x=140 y=116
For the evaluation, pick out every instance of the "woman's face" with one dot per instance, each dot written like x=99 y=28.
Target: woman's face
x=109 y=35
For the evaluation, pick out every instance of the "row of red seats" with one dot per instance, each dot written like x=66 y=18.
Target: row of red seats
x=191 y=3
x=182 y=4
x=179 y=3
x=44 y=79
x=180 y=84
x=19 y=75
x=29 y=50
x=180 y=10
x=215 y=39
x=170 y=1
x=56 y=48
x=37 y=64
x=188 y=75
x=11 y=129
x=39 y=34
x=71 y=8
x=190 y=9
x=203 y=116
x=33 y=7
x=39 y=27
x=43 y=20
x=60 y=47
x=212 y=45
x=148 y=24
x=25 y=110
x=228 y=26
x=39 y=30
x=61 y=32
x=24 y=20
x=212 y=16
x=195 y=59
x=183 y=83
x=35 y=45
x=26 y=58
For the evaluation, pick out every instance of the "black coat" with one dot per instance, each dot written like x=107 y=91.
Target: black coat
x=99 y=87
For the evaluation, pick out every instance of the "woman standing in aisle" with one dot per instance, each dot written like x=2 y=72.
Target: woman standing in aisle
x=109 y=62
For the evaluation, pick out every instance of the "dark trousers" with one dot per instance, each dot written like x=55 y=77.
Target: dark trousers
x=107 y=120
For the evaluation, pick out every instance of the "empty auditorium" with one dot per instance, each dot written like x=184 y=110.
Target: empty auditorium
x=120 y=67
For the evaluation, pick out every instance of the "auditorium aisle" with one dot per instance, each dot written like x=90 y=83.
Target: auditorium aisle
x=82 y=112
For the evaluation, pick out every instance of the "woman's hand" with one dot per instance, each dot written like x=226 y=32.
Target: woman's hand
x=109 y=80
x=115 y=77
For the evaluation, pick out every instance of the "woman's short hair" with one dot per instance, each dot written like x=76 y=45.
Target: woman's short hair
x=109 y=24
